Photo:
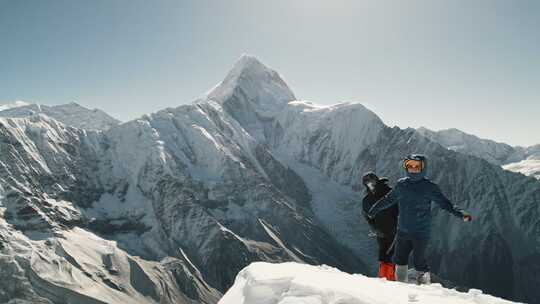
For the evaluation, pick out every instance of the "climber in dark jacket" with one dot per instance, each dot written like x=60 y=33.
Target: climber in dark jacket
x=383 y=224
x=414 y=194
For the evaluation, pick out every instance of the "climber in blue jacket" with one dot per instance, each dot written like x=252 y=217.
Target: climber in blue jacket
x=414 y=195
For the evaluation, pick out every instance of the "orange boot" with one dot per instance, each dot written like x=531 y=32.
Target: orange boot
x=386 y=270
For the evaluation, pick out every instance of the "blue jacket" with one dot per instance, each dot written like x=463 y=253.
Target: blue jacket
x=414 y=195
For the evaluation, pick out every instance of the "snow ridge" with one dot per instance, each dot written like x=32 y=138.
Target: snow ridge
x=264 y=283
x=71 y=114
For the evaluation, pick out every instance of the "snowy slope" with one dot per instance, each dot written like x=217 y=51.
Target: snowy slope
x=71 y=114
x=292 y=283
x=47 y=249
x=329 y=138
x=76 y=266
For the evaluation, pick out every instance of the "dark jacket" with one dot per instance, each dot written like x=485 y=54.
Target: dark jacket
x=385 y=222
x=414 y=199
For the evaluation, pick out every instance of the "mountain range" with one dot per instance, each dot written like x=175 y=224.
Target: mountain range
x=169 y=207
x=525 y=160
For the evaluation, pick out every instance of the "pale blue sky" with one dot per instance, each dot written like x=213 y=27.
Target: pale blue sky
x=473 y=65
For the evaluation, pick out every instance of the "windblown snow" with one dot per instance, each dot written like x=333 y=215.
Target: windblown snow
x=293 y=283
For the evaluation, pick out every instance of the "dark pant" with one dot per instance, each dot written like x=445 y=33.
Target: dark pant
x=386 y=251
x=404 y=245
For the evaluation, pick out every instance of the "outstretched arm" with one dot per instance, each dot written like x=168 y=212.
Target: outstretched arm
x=387 y=201
x=438 y=197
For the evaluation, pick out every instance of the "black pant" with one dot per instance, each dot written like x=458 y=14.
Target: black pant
x=404 y=245
x=385 y=252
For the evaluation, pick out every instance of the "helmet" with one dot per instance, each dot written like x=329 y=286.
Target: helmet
x=415 y=161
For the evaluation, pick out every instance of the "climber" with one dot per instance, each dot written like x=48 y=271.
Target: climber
x=383 y=225
x=414 y=194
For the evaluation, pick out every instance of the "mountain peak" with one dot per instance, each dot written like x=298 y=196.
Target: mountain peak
x=73 y=104
x=248 y=62
x=252 y=83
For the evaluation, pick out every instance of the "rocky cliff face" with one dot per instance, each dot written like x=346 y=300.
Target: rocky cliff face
x=169 y=207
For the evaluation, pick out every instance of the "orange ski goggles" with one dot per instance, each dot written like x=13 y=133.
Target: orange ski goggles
x=413 y=164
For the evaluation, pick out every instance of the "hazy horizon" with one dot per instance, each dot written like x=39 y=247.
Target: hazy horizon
x=470 y=66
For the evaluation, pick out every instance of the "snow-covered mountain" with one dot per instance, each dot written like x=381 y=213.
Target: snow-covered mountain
x=48 y=253
x=71 y=114
x=525 y=160
x=261 y=283
x=186 y=190
x=170 y=207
